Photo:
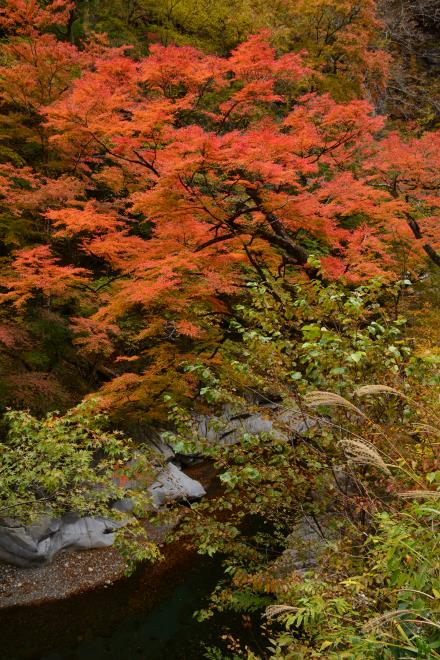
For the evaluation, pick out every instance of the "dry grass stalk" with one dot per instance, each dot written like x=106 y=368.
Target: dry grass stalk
x=419 y=494
x=377 y=389
x=379 y=621
x=275 y=610
x=426 y=428
x=363 y=453
x=319 y=398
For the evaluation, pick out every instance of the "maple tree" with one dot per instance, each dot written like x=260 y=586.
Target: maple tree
x=166 y=180
x=408 y=168
x=36 y=68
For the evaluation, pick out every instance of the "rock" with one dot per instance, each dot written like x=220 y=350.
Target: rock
x=37 y=544
x=304 y=546
x=173 y=484
x=152 y=438
x=345 y=481
x=297 y=422
x=170 y=484
x=228 y=427
x=274 y=420
x=163 y=448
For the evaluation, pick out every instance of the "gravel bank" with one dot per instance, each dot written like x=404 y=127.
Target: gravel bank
x=73 y=573
x=70 y=573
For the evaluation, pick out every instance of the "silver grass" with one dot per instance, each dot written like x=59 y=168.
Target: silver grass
x=275 y=610
x=377 y=389
x=419 y=494
x=319 y=398
x=378 y=621
x=363 y=453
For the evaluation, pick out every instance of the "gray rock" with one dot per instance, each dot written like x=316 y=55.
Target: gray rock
x=150 y=438
x=37 y=544
x=228 y=428
x=173 y=484
x=305 y=544
x=159 y=444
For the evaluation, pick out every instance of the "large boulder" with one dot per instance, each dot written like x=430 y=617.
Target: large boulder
x=171 y=484
x=37 y=544
x=228 y=426
x=274 y=420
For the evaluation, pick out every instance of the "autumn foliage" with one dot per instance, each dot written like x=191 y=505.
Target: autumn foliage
x=151 y=189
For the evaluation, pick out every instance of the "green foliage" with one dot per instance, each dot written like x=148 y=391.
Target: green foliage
x=71 y=463
x=59 y=464
x=317 y=335
x=375 y=590
x=389 y=610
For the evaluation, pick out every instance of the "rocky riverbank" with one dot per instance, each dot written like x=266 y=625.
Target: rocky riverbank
x=69 y=574
x=84 y=593
x=75 y=572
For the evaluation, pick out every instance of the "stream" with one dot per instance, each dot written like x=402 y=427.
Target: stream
x=149 y=615
x=169 y=630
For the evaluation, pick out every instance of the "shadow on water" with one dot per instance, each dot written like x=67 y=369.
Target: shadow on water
x=170 y=630
x=147 y=616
